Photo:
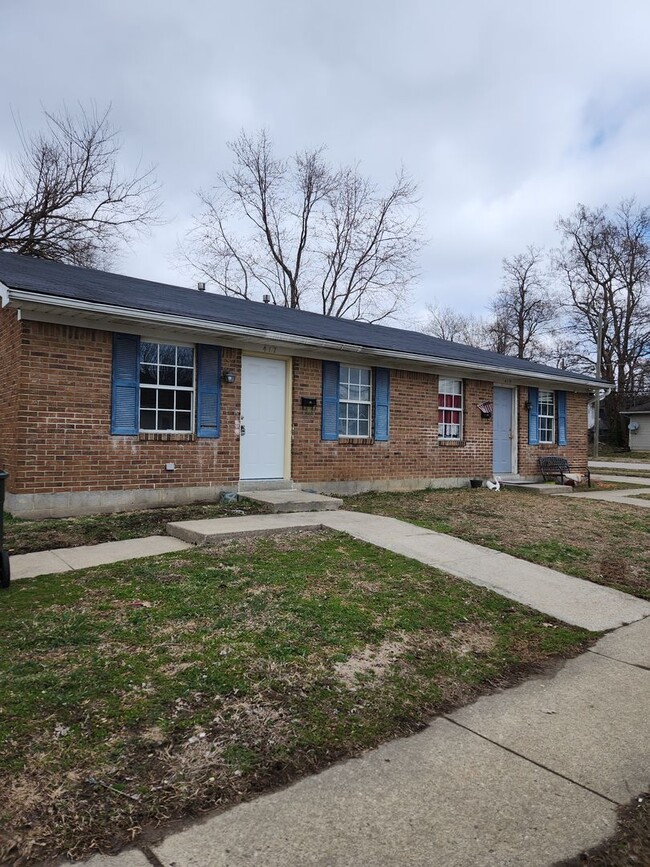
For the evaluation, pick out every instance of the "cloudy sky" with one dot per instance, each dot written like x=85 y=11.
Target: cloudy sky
x=505 y=113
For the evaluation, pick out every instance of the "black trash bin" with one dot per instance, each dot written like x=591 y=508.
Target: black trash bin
x=5 y=575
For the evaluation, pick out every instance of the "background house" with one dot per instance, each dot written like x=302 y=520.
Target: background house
x=639 y=427
x=119 y=393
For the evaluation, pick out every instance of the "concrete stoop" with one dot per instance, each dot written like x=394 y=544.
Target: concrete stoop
x=254 y=485
x=293 y=500
x=538 y=488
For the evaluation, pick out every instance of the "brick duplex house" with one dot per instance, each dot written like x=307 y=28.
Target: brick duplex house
x=119 y=393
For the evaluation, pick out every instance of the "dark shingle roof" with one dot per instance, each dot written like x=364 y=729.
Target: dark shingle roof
x=104 y=288
x=644 y=407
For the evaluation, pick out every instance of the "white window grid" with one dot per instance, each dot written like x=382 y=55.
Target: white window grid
x=166 y=387
x=546 y=416
x=355 y=402
x=450 y=409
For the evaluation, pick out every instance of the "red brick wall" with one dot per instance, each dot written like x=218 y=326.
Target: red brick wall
x=65 y=442
x=55 y=425
x=10 y=330
x=414 y=451
x=575 y=449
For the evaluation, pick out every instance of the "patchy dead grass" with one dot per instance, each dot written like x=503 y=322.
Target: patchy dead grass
x=129 y=700
x=608 y=543
x=23 y=537
x=374 y=661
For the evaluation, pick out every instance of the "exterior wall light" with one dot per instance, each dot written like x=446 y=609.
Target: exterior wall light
x=229 y=376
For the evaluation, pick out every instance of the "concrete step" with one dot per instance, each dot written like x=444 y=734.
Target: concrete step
x=246 y=485
x=293 y=501
x=203 y=531
x=538 y=488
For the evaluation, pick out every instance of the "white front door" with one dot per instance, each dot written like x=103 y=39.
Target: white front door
x=263 y=405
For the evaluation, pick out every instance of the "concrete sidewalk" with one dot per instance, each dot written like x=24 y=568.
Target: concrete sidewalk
x=573 y=600
x=628 y=497
x=619 y=465
x=66 y=559
x=627 y=480
x=526 y=776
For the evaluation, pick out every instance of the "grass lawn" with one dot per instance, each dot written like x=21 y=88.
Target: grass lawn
x=151 y=690
x=608 y=543
x=611 y=453
x=23 y=537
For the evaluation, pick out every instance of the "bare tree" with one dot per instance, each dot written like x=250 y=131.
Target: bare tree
x=523 y=308
x=62 y=197
x=307 y=235
x=604 y=262
x=449 y=324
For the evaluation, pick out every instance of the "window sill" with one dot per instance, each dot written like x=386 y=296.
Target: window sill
x=451 y=444
x=166 y=437
x=356 y=441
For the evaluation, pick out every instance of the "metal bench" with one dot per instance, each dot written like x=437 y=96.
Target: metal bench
x=554 y=469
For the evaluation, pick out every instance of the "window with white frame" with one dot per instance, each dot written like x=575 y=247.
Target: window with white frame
x=355 y=401
x=546 y=416
x=166 y=388
x=450 y=409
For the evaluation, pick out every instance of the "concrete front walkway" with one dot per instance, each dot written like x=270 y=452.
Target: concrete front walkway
x=626 y=480
x=66 y=559
x=526 y=776
x=619 y=465
x=628 y=497
x=570 y=599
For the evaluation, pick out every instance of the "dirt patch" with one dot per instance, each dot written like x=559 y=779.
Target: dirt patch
x=174 y=668
x=377 y=660
x=373 y=661
x=154 y=735
x=473 y=638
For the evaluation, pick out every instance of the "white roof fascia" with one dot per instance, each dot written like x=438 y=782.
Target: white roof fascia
x=150 y=318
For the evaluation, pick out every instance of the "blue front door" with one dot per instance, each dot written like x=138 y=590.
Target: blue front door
x=502 y=430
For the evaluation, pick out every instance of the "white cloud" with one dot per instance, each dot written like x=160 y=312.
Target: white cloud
x=506 y=113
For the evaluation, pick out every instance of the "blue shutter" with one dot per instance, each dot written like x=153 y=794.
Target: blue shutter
x=560 y=401
x=533 y=413
x=208 y=384
x=125 y=388
x=330 y=417
x=382 y=403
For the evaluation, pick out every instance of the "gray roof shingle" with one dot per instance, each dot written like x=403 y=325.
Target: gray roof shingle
x=104 y=288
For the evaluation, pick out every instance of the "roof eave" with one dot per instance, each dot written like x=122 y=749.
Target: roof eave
x=16 y=297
